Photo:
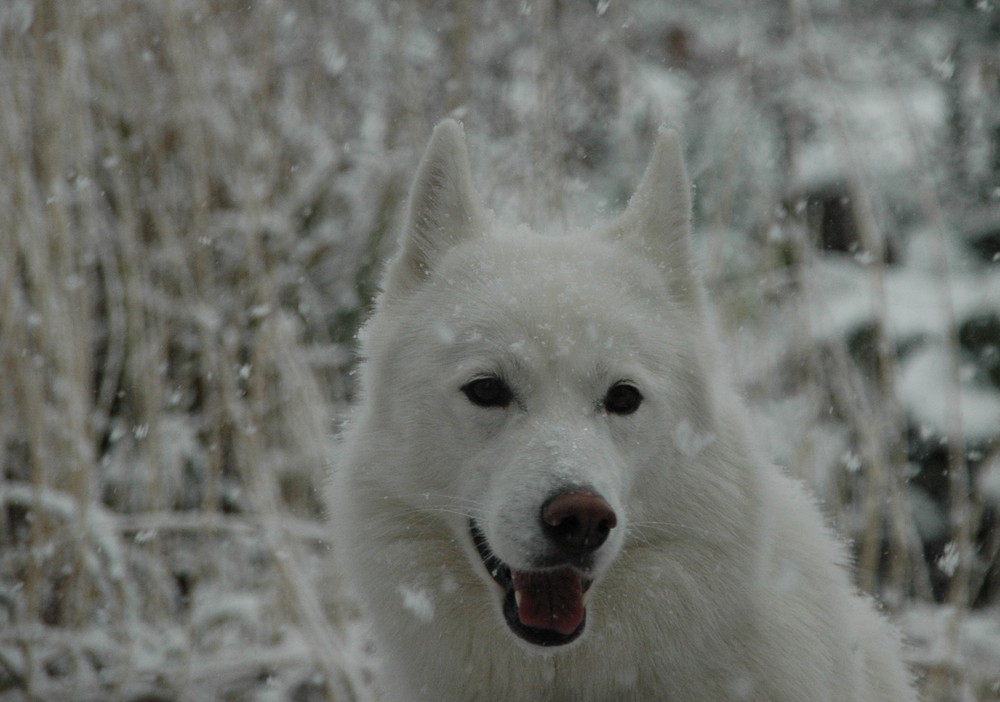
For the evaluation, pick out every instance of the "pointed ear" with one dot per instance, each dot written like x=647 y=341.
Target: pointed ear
x=657 y=219
x=443 y=209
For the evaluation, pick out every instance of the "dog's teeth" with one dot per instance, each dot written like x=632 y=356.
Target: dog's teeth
x=517 y=597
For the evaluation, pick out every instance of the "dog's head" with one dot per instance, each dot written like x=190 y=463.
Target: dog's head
x=529 y=383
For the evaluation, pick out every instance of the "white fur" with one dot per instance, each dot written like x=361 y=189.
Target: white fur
x=719 y=582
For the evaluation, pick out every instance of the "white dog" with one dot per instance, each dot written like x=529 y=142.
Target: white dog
x=549 y=493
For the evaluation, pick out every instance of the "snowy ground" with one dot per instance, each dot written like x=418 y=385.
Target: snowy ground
x=194 y=203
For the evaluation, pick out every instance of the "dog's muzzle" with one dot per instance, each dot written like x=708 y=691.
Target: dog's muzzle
x=545 y=605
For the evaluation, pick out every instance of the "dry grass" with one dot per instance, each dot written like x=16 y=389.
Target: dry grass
x=165 y=327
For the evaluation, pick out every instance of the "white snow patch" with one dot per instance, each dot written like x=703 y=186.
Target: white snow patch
x=872 y=127
x=974 y=650
x=444 y=333
x=417 y=601
x=913 y=300
x=689 y=441
x=948 y=561
x=926 y=390
x=665 y=93
x=989 y=480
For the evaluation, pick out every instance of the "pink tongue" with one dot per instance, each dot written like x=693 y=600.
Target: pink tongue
x=551 y=599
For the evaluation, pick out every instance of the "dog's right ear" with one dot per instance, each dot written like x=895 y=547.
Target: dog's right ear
x=657 y=218
x=443 y=209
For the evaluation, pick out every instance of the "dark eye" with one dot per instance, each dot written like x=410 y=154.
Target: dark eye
x=622 y=398
x=488 y=391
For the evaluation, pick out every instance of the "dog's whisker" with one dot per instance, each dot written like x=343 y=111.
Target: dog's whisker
x=669 y=528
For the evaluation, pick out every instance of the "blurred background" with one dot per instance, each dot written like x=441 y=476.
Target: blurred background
x=195 y=201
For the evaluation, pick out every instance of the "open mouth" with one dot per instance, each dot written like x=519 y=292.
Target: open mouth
x=543 y=607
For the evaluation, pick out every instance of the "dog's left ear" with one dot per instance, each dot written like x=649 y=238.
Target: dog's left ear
x=443 y=209
x=658 y=216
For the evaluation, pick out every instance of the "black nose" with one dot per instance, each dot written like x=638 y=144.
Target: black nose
x=577 y=523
